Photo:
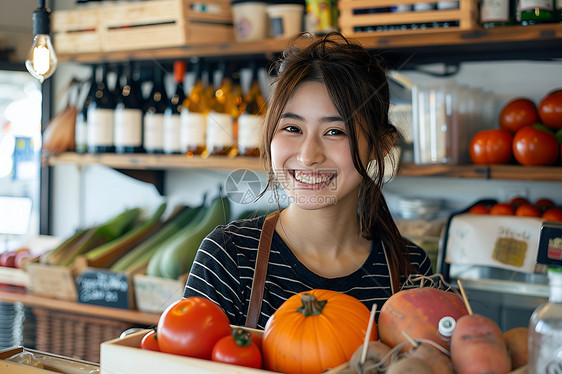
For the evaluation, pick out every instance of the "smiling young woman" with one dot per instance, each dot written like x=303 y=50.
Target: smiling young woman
x=327 y=120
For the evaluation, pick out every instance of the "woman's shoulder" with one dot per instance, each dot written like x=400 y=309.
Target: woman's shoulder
x=246 y=229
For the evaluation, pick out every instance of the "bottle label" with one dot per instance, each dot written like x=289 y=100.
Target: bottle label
x=171 y=136
x=494 y=11
x=153 y=131
x=220 y=130
x=192 y=129
x=128 y=127
x=532 y=4
x=100 y=127
x=249 y=130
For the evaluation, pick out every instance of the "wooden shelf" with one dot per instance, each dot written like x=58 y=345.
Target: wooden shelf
x=157 y=162
x=527 y=41
x=497 y=172
x=132 y=316
x=166 y=162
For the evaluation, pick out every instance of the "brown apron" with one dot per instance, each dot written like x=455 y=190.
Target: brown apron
x=262 y=259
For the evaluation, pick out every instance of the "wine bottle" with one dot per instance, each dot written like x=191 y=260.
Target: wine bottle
x=81 y=127
x=128 y=117
x=251 y=120
x=100 y=116
x=153 y=140
x=531 y=12
x=220 y=121
x=172 y=114
x=194 y=116
x=496 y=13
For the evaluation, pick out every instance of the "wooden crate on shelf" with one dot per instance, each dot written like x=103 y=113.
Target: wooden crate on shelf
x=77 y=31
x=143 y=25
x=361 y=17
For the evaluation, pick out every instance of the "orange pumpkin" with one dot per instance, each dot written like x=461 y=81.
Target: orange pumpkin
x=313 y=331
x=417 y=312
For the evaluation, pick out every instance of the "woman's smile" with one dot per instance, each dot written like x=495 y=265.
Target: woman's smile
x=313 y=179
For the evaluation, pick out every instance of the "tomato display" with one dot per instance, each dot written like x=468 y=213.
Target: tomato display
x=550 y=109
x=545 y=203
x=502 y=209
x=553 y=214
x=491 y=147
x=149 y=341
x=479 y=209
x=535 y=146
x=517 y=114
x=517 y=201
x=191 y=327
x=238 y=349
x=528 y=210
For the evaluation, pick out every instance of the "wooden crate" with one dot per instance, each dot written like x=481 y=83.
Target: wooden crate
x=143 y=25
x=155 y=294
x=166 y=23
x=357 y=19
x=124 y=356
x=77 y=31
x=52 y=363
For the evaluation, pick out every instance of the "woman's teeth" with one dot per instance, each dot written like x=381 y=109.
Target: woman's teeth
x=312 y=178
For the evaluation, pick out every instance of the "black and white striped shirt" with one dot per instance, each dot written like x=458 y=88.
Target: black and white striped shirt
x=224 y=268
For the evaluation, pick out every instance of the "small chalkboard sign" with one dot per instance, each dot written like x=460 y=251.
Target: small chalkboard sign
x=104 y=288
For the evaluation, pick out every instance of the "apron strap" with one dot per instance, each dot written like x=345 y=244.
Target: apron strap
x=262 y=259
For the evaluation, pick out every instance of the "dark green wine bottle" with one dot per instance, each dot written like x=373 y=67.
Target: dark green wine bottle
x=531 y=12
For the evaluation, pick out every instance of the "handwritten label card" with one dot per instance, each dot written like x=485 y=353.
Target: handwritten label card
x=104 y=288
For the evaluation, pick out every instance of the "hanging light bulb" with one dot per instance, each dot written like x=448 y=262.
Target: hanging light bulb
x=41 y=60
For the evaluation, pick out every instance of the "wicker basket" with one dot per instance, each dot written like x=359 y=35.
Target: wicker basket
x=74 y=335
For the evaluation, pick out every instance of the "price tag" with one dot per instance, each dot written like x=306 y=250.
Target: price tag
x=104 y=288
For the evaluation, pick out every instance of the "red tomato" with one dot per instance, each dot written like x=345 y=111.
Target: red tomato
x=257 y=340
x=238 y=349
x=545 y=203
x=553 y=214
x=191 y=327
x=528 y=210
x=502 y=209
x=479 y=209
x=534 y=145
x=149 y=341
x=491 y=147
x=517 y=201
x=550 y=109
x=517 y=114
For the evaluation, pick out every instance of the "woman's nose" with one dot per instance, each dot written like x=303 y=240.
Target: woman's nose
x=311 y=151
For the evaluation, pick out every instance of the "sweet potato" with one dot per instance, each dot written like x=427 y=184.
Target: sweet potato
x=516 y=340
x=438 y=362
x=478 y=346
x=409 y=365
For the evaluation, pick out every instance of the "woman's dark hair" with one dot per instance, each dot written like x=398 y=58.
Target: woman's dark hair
x=358 y=88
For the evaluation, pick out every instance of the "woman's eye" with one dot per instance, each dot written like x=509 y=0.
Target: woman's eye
x=291 y=128
x=334 y=132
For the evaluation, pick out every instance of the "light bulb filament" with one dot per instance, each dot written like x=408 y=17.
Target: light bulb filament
x=41 y=59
